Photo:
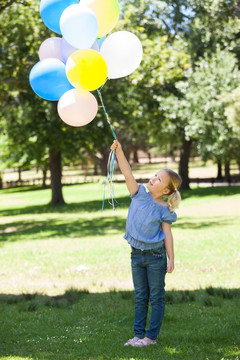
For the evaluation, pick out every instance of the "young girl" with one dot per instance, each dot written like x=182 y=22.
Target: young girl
x=148 y=231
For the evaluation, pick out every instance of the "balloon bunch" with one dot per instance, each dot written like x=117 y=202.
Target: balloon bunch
x=80 y=61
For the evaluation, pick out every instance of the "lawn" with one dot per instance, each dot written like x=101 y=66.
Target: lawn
x=65 y=279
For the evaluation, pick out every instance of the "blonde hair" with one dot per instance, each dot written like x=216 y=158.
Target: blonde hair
x=174 y=196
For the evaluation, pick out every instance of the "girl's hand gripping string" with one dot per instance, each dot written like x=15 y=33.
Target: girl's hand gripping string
x=116 y=146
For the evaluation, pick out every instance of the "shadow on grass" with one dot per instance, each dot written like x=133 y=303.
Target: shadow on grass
x=73 y=296
x=188 y=223
x=22 y=189
x=82 y=227
x=79 y=325
x=80 y=207
x=26 y=188
x=210 y=191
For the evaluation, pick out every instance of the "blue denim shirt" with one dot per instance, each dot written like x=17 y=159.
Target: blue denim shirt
x=145 y=216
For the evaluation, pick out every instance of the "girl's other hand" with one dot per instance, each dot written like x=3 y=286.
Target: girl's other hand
x=116 y=146
x=170 y=266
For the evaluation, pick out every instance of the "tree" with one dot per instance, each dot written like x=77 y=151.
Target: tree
x=31 y=124
x=4 y=4
x=212 y=25
x=231 y=101
x=197 y=113
x=232 y=111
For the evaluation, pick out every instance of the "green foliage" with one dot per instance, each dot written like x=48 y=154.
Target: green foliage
x=232 y=111
x=213 y=24
x=198 y=111
x=4 y=4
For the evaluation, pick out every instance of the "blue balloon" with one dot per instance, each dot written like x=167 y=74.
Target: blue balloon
x=48 y=79
x=51 y=11
x=100 y=41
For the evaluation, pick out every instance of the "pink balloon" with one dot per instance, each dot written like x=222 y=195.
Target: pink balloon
x=51 y=48
x=77 y=108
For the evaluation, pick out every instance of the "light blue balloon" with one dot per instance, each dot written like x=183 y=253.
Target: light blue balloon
x=100 y=41
x=51 y=11
x=48 y=79
x=79 y=26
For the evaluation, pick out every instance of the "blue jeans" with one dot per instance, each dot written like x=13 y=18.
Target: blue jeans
x=148 y=271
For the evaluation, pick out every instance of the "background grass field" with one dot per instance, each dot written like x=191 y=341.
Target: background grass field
x=65 y=279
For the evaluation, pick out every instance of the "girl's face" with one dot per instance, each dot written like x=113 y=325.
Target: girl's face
x=158 y=184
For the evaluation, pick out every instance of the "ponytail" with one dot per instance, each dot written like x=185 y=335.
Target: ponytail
x=174 y=196
x=174 y=200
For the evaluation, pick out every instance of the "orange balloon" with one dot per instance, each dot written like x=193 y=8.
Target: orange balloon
x=107 y=14
x=77 y=108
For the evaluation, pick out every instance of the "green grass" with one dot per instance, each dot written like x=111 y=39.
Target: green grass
x=65 y=279
x=78 y=325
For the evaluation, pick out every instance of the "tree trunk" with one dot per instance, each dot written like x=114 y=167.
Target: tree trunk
x=56 y=176
x=184 y=162
x=95 y=169
x=227 y=174
x=19 y=175
x=44 y=171
x=135 y=157
x=149 y=158
x=103 y=164
x=219 y=174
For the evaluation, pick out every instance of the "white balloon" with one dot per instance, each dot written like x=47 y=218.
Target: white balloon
x=51 y=48
x=77 y=108
x=79 y=26
x=122 y=52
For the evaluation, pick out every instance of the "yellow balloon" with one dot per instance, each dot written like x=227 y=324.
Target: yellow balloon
x=86 y=69
x=107 y=14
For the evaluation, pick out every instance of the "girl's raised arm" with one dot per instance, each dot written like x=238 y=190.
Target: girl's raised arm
x=125 y=168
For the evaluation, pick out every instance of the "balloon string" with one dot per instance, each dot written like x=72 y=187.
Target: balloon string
x=110 y=166
x=110 y=180
x=105 y=112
